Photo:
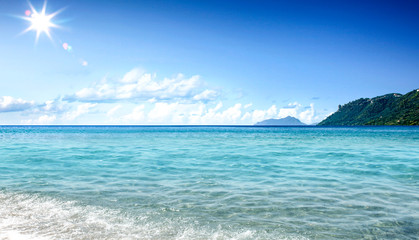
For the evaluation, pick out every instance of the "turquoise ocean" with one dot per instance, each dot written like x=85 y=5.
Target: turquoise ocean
x=163 y=182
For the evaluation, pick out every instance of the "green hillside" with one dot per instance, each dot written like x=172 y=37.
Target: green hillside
x=389 y=109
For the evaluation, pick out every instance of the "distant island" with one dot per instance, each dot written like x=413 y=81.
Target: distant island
x=287 y=121
x=389 y=109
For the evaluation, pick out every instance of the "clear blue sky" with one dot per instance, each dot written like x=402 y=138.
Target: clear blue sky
x=241 y=61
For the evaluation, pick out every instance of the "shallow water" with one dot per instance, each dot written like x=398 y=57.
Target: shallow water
x=209 y=182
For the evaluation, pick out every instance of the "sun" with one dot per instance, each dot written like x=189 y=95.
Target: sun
x=41 y=22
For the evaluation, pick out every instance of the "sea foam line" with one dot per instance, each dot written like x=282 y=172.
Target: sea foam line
x=31 y=216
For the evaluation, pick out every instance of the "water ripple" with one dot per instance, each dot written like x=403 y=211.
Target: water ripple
x=209 y=183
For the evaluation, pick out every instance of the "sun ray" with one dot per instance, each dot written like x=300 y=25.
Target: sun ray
x=44 y=7
x=32 y=8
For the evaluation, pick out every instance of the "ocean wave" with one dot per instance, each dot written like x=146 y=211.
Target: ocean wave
x=33 y=216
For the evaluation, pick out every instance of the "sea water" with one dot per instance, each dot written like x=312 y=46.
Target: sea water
x=131 y=182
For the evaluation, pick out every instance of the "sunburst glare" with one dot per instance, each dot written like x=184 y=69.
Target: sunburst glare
x=41 y=22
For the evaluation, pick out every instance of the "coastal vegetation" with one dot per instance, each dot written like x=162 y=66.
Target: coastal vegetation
x=389 y=109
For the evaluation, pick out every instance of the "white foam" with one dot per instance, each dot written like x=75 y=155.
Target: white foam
x=29 y=216
x=15 y=235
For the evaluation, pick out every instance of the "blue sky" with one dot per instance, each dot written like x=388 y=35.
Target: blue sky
x=203 y=62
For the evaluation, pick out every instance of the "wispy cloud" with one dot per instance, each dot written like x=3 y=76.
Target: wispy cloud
x=80 y=110
x=137 y=85
x=206 y=95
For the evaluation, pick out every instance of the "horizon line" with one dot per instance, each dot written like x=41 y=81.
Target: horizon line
x=162 y=125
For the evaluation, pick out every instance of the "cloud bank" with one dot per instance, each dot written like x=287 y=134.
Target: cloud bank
x=141 y=98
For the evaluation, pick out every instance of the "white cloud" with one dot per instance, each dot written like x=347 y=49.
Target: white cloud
x=206 y=95
x=192 y=113
x=55 y=111
x=248 y=105
x=176 y=100
x=51 y=106
x=144 y=86
x=294 y=104
x=305 y=114
x=112 y=111
x=152 y=100
x=308 y=116
x=132 y=76
x=137 y=115
x=169 y=112
x=164 y=112
x=99 y=92
x=81 y=109
x=42 y=120
x=203 y=116
x=260 y=115
x=201 y=113
x=214 y=115
x=230 y=115
x=285 y=112
x=10 y=104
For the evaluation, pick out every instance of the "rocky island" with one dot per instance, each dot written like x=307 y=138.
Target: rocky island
x=287 y=121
